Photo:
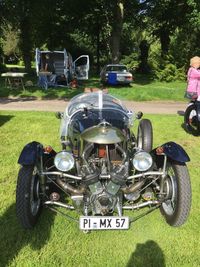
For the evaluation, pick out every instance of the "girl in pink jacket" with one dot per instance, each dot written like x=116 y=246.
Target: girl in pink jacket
x=193 y=77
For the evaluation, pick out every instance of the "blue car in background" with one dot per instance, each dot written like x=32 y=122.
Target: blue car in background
x=115 y=74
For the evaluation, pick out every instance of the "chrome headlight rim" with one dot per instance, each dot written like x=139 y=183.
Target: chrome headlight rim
x=64 y=161
x=142 y=161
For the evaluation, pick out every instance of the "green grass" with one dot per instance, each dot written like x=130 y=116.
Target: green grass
x=56 y=241
x=142 y=89
x=154 y=90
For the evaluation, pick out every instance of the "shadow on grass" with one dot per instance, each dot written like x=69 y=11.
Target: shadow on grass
x=148 y=254
x=18 y=99
x=95 y=82
x=57 y=93
x=190 y=130
x=4 y=119
x=64 y=92
x=181 y=112
x=13 y=238
x=27 y=95
x=143 y=79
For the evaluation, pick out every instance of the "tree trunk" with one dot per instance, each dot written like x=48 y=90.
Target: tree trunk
x=98 y=48
x=26 y=43
x=165 y=41
x=118 y=15
x=144 y=53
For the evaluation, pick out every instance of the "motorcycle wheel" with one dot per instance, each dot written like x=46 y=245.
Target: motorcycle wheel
x=190 y=120
x=177 y=189
x=145 y=135
x=28 y=202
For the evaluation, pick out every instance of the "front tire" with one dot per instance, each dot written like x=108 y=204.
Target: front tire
x=145 y=135
x=177 y=189
x=28 y=202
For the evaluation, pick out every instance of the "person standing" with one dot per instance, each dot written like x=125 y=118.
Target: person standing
x=49 y=67
x=193 y=78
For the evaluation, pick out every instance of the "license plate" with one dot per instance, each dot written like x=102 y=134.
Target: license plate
x=103 y=223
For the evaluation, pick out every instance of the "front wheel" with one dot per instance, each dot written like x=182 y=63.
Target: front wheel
x=192 y=124
x=177 y=190
x=28 y=202
x=145 y=135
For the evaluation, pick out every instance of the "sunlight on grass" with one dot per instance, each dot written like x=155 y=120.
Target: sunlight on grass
x=58 y=242
x=152 y=91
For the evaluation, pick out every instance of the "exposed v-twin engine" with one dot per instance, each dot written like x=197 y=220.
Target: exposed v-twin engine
x=104 y=177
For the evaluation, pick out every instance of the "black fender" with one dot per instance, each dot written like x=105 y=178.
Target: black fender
x=30 y=153
x=173 y=151
x=198 y=110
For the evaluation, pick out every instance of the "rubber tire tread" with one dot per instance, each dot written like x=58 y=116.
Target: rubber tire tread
x=146 y=128
x=184 y=197
x=23 y=209
x=188 y=128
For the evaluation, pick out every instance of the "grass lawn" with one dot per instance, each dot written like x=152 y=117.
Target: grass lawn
x=58 y=242
x=142 y=89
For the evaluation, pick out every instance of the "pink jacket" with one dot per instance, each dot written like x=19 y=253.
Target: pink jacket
x=193 y=79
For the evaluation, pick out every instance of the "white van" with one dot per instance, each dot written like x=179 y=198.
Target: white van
x=64 y=67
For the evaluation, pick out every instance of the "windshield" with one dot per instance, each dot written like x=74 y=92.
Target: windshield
x=90 y=109
x=97 y=100
x=117 y=68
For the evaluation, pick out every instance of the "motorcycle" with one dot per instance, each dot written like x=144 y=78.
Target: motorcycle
x=192 y=117
x=103 y=171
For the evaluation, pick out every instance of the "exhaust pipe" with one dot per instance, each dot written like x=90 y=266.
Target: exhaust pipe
x=69 y=188
x=132 y=188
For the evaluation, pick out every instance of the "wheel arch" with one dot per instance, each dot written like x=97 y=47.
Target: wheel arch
x=173 y=151
x=30 y=153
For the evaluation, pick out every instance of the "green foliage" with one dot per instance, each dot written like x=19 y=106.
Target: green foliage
x=165 y=68
x=171 y=28
x=10 y=40
x=131 y=61
x=169 y=73
x=21 y=63
x=184 y=45
x=2 y=68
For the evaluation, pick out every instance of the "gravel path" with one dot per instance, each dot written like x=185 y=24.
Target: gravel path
x=151 y=107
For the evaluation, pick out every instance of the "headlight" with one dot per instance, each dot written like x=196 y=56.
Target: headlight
x=64 y=161
x=142 y=161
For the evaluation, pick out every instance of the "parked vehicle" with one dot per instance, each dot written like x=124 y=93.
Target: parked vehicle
x=115 y=74
x=103 y=169
x=192 y=117
x=64 y=66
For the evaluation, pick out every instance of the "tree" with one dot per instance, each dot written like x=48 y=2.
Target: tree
x=164 y=16
x=18 y=13
x=10 y=40
x=103 y=22
x=117 y=24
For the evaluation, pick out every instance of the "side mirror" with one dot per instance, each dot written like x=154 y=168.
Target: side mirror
x=59 y=115
x=139 y=115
